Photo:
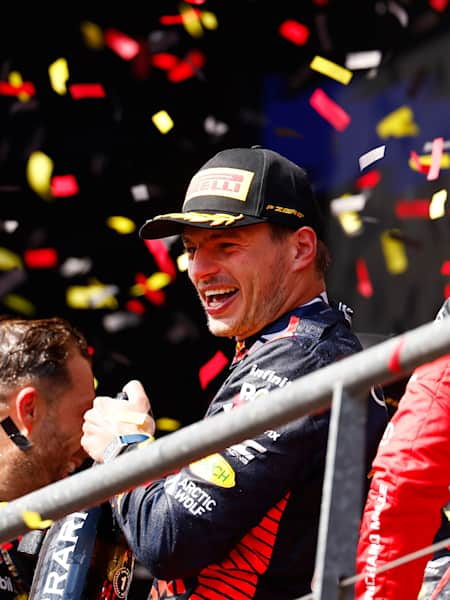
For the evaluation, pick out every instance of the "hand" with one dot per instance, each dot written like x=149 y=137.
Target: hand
x=110 y=417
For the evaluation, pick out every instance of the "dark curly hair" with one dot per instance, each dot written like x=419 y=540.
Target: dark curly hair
x=35 y=351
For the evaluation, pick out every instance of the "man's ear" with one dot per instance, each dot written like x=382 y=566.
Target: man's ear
x=26 y=409
x=305 y=247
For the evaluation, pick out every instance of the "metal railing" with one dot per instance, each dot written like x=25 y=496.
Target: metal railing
x=341 y=385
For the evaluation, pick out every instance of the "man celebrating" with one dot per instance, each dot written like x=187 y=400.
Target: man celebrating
x=242 y=523
x=46 y=385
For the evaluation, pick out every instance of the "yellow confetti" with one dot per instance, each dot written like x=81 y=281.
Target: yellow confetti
x=167 y=424
x=425 y=160
x=138 y=289
x=209 y=20
x=15 y=79
x=394 y=253
x=58 y=73
x=182 y=262
x=350 y=222
x=158 y=280
x=437 y=204
x=19 y=304
x=191 y=21
x=93 y=35
x=122 y=225
x=162 y=121
x=399 y=123
x=331 y=69
x=33 y=520
x=9 y=260
x=39 y=171
x=95 y=295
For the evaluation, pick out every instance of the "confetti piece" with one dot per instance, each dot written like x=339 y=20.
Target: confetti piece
x=368 y=180
x=394 y=254
x=92 y=296
x=157 y=281
x=58 y=73
x=190 y=18
x=120 y=320
x=428 y=146
x=438 y=5
x=364 y=284
x=329 y=110
x=86 y=90
x=436 y=159
x=447 y=291
x=120 y=43
x=9 y=260
x=33 y=520
x=75 y=266
x=209 y=20
x=183 y=262
x=445 y=268
x=422 y=162
x=412 y=209
x=437 y=204
x=363 y=60
x=167 y=424
x=92 y=35
x=331 y=69
x=122 y=225
x=355 y=202
x=162 y=121
x=188 y=67
x=63 y=186
x=7 y=89
x=294 y=32
x=140 y=192
x=370 y=157
x=135 y=306
x=41 y=258
x=350 y=222
x=161 y=256
x=164 y=61
x=38 y=171
x=399 y=123
x=19 y=304
x=212 y=368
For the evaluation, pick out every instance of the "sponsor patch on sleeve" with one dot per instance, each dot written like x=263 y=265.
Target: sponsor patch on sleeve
x=215 y=469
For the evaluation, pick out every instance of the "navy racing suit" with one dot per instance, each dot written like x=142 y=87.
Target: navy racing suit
x=242 y=523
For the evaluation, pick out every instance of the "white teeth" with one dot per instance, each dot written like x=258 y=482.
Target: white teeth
x=219 y=292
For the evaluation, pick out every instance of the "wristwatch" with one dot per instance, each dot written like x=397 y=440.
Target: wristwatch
x=120 y=443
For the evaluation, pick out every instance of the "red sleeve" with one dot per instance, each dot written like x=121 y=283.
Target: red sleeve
x=409 y=486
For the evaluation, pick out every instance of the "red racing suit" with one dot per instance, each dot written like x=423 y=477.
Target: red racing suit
x=410 y=486
x=242 y=523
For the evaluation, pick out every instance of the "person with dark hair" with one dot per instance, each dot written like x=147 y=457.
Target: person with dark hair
x=46 y=385
x=242 y=523
x=409 y=491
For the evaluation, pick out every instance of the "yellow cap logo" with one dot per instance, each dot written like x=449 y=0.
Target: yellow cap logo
x=215 y=469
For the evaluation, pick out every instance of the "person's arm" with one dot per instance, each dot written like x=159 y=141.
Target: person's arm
x=409 y=487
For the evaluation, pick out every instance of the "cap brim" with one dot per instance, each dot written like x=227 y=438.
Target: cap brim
x=173 y=223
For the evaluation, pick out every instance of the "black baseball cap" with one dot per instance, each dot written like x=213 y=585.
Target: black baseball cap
x=243 y=186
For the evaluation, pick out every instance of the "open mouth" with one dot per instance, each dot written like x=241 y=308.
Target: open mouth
x=218 y=298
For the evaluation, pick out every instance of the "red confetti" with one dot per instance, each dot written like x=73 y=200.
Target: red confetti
x=364 y=285
x=63 y=186
x=445 y=269
x=177 y=19
x=162 y=257
x=447 y=291
x=412 y=209
x=135 y=306
x=212 y=368
x=436 y=157
x=329 y=110
x=438 y=5
x=41 y=258
x=394 y=360
x=6 y=89
x=91 y=350
x=368 y=180
x=122 y=44
x=294 y=32
x=157 y=297
x=419 y=166
x=164 y=60
x=188 y=67
x=86 y=90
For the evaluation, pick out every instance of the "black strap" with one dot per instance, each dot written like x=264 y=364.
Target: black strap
x=14 y=434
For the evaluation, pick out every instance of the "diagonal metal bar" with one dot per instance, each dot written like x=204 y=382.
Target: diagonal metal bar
x=381 y=363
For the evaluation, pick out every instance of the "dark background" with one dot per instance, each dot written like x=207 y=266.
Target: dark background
x=254 y=87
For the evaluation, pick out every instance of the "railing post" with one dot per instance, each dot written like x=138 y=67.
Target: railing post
x=341 y=496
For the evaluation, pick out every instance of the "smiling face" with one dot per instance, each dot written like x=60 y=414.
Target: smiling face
x=246 y=277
